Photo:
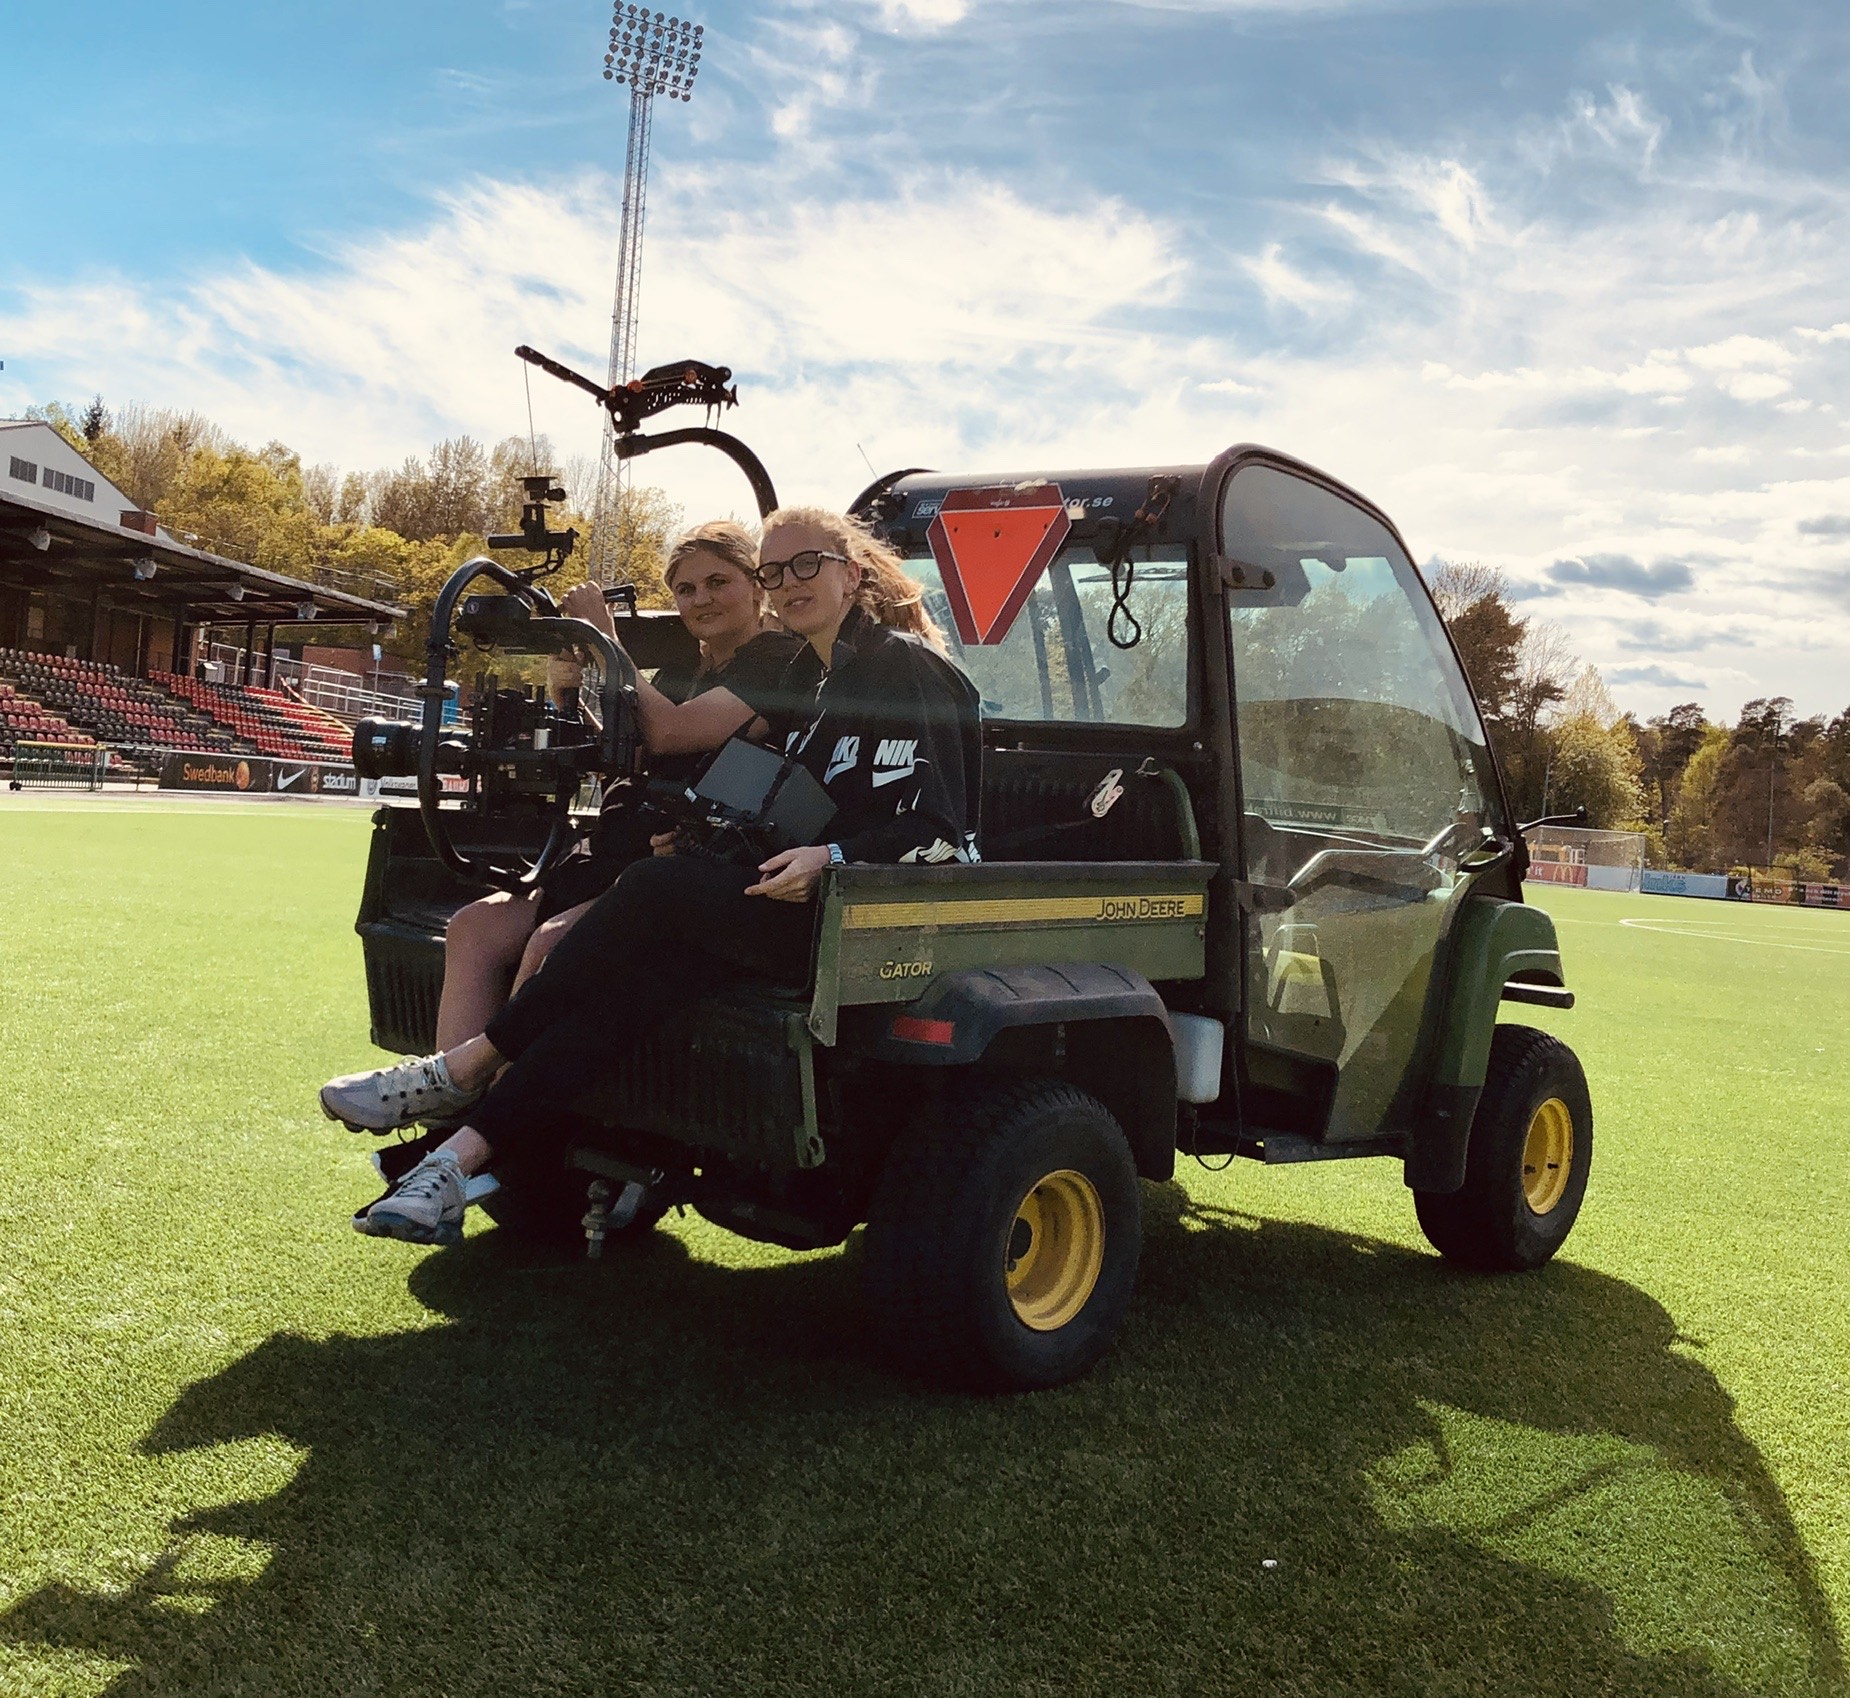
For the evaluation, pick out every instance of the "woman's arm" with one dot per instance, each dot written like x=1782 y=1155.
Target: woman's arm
x=691 y=728
x=670 y=727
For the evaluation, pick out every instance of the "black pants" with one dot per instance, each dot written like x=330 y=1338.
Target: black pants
x=670 y=930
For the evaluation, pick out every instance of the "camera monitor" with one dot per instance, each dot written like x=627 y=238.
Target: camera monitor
x=780 y=797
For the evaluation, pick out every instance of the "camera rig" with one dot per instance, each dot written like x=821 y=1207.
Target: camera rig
x=520 y=757
x=523 y=762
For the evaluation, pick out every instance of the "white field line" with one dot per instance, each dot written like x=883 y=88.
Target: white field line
x=1728 y=937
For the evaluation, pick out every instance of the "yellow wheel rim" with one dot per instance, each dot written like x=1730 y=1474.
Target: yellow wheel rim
x=1056 y=1247
x=1548 y=1155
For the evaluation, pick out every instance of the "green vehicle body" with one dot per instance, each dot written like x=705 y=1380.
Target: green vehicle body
x=773 y=1109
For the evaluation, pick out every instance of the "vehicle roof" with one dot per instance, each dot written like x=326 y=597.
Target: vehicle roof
x=904 y=503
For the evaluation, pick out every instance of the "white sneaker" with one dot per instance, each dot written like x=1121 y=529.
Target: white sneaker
x=425 y=1208
x=399 y=1095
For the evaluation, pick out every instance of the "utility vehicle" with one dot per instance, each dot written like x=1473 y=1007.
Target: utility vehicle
x=1250 y=889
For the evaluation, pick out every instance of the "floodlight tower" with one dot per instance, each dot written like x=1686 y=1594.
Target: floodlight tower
x=654 y=55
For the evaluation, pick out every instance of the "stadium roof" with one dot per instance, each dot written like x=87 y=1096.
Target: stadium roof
x=68 y=528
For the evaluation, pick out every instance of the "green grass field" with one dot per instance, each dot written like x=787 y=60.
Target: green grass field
x=243 y=1450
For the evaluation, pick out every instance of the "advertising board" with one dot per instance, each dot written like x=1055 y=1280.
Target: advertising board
x=253 y=775
x=1657 y=882
x=228 y=774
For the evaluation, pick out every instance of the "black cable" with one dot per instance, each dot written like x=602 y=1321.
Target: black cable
x=1120 y=602
x=1123 y=569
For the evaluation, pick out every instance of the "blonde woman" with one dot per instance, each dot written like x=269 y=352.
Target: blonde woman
x=889 y=727
x=494 y=945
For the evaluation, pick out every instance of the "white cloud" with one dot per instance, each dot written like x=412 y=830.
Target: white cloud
x=1659 y=373
x=1755 y=385
x=1739 y=353
x=1284 y=284
x=1624 y=124
x=924 y=14
x=892 y=320
x=1535 y=385
x=1440 y=191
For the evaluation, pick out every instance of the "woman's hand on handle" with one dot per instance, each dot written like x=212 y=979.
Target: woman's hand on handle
x=790 y=876
x=586 y=602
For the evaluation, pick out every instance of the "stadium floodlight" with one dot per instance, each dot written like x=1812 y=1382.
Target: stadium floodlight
x=651 y=54
x=235 y=591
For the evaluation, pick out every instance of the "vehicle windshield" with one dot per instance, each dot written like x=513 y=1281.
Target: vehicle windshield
x=1058 y=661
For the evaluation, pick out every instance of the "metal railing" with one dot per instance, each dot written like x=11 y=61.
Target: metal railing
x=346 y=695
x=44 y=765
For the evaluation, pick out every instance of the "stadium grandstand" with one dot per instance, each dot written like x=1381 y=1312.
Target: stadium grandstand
x=106 y=617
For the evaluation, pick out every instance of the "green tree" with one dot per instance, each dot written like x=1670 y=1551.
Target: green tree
x=1666 y=745
x=1753 y=808
x=1827 y=808
x=1520 y=670
x=1688 y=835
x=1593 y=766
x=61 y=419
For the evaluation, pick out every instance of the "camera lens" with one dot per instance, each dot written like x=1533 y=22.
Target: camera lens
x=385 y=748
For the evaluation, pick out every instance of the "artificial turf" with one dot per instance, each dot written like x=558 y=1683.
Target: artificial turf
x=243 y=1450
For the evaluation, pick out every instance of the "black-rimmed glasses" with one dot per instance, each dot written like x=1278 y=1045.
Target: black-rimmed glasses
x=802 y=566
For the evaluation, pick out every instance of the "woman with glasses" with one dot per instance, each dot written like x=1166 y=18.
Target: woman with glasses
x=494 y=945
x=889 y=727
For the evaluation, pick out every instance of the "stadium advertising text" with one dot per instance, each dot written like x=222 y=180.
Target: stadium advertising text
x=249 y=776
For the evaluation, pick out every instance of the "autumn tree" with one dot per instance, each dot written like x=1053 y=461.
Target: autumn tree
x=1591 y=759
x=1520 y=669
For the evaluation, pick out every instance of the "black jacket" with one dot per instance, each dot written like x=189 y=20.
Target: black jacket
x=894 y=733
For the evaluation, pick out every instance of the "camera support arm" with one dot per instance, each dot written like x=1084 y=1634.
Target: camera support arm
x=683 y=383
x=629 y=447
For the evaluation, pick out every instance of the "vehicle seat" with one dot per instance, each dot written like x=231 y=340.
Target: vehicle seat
x=1035 y=808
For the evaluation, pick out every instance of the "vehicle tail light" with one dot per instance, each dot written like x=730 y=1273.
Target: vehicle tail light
x=918 y=1031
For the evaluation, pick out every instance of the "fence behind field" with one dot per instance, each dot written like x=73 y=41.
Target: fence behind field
x=1769 y=887
x=59 y=766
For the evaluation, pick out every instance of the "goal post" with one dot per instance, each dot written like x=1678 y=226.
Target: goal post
x=1597 y=860
x=59 y=766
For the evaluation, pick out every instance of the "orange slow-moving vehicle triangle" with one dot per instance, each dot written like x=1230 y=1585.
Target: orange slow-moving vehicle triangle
x=991 y=546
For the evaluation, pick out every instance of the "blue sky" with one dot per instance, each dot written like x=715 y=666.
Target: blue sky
x=1565 y=286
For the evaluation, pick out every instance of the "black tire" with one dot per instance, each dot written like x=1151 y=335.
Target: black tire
x=1513 y=1214
x=961 y=1289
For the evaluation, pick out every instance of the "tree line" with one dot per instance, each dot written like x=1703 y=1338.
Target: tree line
x=393 y=534
x=1771 y=790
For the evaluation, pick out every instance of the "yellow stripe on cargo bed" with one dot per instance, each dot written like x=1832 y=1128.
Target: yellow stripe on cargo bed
x=1021 y=911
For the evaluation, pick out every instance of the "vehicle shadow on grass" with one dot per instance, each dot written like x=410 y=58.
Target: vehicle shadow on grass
x=663 y=1476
